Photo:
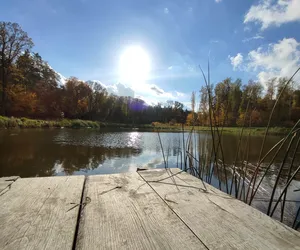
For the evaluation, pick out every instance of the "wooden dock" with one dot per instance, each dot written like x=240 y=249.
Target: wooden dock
x=152 y=209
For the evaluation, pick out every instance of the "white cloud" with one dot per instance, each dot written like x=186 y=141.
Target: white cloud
x=218 y=1
x=236 y=61
x=278 y=60
x=166 y=10
x=150 y=93
x=154 y=91
x=61 y=79
x=252 y=38
x=269 y=13
x=123 y=90
x=180 y=94
x=115 y=89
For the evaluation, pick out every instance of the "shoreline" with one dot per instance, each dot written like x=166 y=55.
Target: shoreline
x=23 y=123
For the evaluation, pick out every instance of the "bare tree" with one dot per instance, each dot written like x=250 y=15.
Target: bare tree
x=193 y=103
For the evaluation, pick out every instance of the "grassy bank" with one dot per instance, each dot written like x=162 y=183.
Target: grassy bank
x=254 y=130
x=12 y=122
x=6 y=123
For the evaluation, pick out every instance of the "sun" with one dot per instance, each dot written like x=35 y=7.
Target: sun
x=134 y=65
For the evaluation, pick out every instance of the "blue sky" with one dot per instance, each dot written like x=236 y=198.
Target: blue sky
x=86 y=38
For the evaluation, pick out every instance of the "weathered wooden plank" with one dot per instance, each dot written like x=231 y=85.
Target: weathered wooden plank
x=219 y=220
x=125 y=213
x=5 y=182
x=34 y=213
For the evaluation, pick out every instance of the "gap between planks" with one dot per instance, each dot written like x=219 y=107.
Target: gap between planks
x=129 y=219
x=81 y=206
x=164 y=200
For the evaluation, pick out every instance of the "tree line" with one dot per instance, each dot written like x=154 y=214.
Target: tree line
x=29 y=87
x=230 y=103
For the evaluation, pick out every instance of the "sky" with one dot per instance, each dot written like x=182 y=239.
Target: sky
x=152 y=49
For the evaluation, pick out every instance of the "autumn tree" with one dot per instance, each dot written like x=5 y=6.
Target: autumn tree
x=22 y=102
x=295 y=114
x=35 y=75
x=235 y=98
x=203 y=113
x=190 y=119
x=283 y=109
x=76 y=97
x=97 y=102
x=13 y=42
x=251 y=96
x=271 y=88
x=193 y=104
x=222 y=104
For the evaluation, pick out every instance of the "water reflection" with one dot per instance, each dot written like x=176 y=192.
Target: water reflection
x=30 y=153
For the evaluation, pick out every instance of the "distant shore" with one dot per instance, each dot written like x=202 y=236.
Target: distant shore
x=254 y=130
x=13 y=123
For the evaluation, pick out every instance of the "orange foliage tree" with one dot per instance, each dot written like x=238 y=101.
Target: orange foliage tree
x=22 y=102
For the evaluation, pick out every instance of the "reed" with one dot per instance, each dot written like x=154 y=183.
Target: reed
x=241 y=178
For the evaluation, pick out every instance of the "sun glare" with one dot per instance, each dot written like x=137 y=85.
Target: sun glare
x=134 y=65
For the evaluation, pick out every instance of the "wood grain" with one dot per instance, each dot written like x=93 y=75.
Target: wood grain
x=219 y=220
x=34 y=213
x=125 y=213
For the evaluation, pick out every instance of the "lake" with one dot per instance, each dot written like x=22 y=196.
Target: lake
x=50 y=152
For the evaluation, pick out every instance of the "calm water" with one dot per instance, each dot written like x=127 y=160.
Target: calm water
x=29 y=153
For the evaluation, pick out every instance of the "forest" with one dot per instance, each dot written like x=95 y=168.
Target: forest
x=29 y=87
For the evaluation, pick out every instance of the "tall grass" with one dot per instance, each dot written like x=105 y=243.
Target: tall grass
x=242 y=179
x=11 y=122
